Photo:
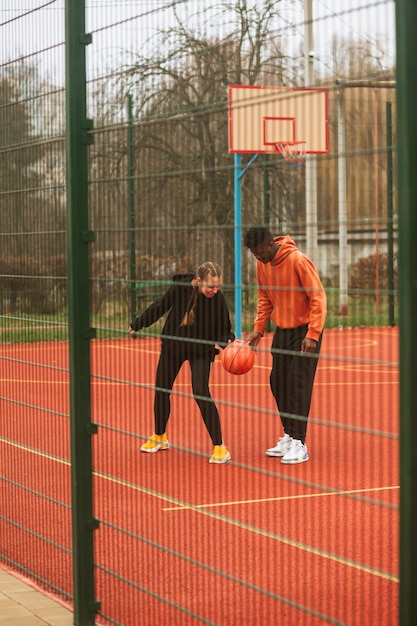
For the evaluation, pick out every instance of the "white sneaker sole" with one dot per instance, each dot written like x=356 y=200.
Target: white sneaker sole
x=271 y=452
x=294 y=461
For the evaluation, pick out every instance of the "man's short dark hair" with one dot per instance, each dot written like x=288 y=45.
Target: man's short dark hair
x=257 y=235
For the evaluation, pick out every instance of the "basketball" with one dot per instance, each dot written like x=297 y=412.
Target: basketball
x=238 y=357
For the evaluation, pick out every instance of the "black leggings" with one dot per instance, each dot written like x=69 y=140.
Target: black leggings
x=292 y=378
x=168 y=367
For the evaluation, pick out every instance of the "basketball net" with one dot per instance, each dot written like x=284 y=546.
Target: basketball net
x=294 y=152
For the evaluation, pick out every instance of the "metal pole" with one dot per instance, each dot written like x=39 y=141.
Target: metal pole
x=311 y=164
x=343 y=248
x=406 y=23
x=238 y=175
x=238 y=244
x=267 y=191
x=390 y=218
x=376 y=198
x=78 y=238
x=267 y=206
x=131 y=192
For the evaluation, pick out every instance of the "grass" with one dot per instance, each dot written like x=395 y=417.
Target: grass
x=28 y=329
x=362 y=310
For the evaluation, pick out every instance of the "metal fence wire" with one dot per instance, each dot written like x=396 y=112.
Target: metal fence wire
x=116 y=173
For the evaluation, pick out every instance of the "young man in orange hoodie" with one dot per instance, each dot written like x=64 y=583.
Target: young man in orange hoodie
x=290 y=293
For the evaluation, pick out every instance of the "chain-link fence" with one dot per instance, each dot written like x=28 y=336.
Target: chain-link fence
x=160 y=190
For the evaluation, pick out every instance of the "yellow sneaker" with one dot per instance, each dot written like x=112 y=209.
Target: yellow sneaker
x=220 y=455
x=155 y=443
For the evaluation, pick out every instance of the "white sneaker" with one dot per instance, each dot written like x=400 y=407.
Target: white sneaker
x=297 y=453
x=281 y=448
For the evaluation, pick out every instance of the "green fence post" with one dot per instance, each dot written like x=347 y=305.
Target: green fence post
x=390 y=218
x=131 y=195
x=77 y=140
x=406 y=25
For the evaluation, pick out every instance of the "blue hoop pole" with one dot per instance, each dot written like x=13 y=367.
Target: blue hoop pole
x=238 y=175
x=238 y=244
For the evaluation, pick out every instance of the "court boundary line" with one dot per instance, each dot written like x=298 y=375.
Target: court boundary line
x=260 y=532
x=226 y=575
x=285 y=498
x=222 y=518
x=259 y=470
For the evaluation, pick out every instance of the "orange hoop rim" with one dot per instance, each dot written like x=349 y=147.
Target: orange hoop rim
x=294 y=152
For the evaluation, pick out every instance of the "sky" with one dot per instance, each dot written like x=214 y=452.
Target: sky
x=123 y=27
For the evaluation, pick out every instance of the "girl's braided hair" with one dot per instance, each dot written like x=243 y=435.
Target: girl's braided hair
x=205 y=269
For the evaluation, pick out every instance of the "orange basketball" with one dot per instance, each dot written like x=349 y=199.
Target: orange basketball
x=238 y=357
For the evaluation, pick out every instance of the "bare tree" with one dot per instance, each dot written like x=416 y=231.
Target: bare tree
x=183 y=171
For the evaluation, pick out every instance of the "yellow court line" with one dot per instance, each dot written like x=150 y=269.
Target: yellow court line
x=281 y=498
x=44 y=455
x=264 y=533
x=359 y=383
x=25 y=381
x=94 y=382
x=242 y=525
x=394 y=369
x=316 y=384
x=358 y=343
x=232 y=383
x=133 y=349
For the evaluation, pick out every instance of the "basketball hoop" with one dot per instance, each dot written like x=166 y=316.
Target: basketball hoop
x=294 y=152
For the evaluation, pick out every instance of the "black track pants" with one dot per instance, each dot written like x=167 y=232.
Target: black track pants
x=168 y=367
x=292 y=378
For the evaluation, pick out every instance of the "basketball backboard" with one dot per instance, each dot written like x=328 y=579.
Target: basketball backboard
x=260 y=118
